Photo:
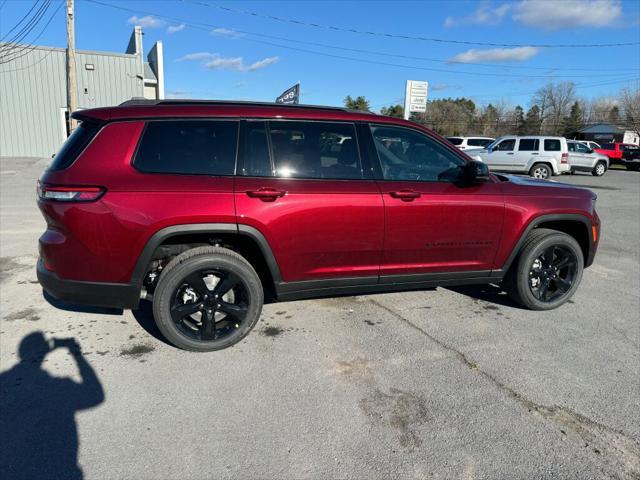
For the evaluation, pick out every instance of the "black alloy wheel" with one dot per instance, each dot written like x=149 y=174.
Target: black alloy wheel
x=552 y=273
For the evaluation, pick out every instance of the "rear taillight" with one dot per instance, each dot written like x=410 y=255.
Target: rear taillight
x=564 y=158
x=68 y=194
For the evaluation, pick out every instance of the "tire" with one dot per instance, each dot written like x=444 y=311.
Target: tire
x=599 y=169
x=541 y=170
x=192 y=306
x=572 y=171
x=523 y=276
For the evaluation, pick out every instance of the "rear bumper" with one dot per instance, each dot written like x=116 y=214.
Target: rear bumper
x=99 y=294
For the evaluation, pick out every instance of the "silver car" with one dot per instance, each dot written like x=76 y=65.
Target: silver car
x=584 y=159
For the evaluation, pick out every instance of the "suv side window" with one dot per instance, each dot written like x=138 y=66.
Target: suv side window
x=528 y=145
x=505 y=145
x=552 y=145
x=409 y=155
x=315 y=150
x=195 y=147
x=478 y=142
x=256 y=158
x=580 y=148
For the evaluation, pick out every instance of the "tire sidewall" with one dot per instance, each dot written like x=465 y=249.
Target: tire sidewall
x=163 y=294
x=595 y=169
x=541 y=165
x=526 y=261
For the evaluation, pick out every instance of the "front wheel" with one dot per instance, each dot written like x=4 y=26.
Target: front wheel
x=541 y=170
x=547 y=271
x=599 y=169
x=207 y=298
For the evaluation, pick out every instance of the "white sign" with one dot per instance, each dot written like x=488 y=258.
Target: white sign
x=415 y=97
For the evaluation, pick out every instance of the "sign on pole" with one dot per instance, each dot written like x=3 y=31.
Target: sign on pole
x=415 y=97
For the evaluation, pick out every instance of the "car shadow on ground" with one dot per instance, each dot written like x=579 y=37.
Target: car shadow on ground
x=144 y=316
x=487 y=293
x=37 y=411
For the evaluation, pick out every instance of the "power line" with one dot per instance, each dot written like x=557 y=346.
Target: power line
x=405 y=37
x=207 y=27
x=29 y=26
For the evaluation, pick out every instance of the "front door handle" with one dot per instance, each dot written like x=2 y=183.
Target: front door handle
x=266 y=194
x=509 y=153
x=405 y=195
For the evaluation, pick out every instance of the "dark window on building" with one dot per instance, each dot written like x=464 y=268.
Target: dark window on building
x=257 y=161
x=552 y=145
x=455 y=140
x=196 y=147
x=506 y=145
x=528 y=145
x=74 y=145
x=409 y=155
x=478 y=142
x=315 y=150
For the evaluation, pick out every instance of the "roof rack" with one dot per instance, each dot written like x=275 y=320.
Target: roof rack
x=137 y=101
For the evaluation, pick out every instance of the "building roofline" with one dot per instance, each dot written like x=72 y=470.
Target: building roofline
x=60 y=49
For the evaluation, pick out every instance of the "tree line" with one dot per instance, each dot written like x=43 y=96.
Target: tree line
x=555 y=109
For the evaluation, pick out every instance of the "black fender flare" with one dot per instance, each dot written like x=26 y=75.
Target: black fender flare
x=162 y=235
x=572 y=217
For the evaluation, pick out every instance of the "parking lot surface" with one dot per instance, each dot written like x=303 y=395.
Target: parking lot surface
x=445 y=383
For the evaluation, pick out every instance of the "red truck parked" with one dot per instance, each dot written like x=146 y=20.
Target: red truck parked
x=626 y=154
x=202 y=207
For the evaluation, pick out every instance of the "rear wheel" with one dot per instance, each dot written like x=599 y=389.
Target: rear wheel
x=599 y=169
x=207 y=298
x=547 y=271
x=541 y=170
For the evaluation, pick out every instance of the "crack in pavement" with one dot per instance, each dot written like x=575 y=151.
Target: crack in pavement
x=619 y=452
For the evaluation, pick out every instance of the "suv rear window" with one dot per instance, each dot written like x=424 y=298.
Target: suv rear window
x=74 y=145
x=528 y=145
x=457 y=141
x=195 y=147
x=552 y=145
x=608 y=146
x=478 y=142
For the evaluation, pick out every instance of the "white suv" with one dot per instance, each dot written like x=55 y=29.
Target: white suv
x=539 y=156
x=466 y=143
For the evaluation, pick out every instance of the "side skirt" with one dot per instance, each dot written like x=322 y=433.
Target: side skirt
x=287 y=291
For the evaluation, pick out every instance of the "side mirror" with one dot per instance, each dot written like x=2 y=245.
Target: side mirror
x=476 y=172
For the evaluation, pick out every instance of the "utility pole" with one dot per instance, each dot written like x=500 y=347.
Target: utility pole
x=72 y=84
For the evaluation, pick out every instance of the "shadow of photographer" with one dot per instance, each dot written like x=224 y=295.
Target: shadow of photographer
x=39 y=436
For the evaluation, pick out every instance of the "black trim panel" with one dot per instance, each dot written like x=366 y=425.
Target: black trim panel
x=99 y=294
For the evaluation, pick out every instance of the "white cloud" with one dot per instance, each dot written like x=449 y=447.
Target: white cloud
x=495 y=55
x=146 y=22
x=178 y=94
x=215 y=61
x=175 y=28
x=265 y=62
x=553 y=15
x=227 y=33
x=485 y=14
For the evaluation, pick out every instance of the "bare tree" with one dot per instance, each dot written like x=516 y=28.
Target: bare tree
x=630 y=106
x=554 y=101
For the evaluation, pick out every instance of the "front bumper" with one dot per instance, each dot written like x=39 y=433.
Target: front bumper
x=99 y=294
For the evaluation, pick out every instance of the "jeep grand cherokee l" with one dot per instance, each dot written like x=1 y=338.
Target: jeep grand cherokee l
x=202 y=207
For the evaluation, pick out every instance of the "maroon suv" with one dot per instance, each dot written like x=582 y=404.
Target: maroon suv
x=201 y=207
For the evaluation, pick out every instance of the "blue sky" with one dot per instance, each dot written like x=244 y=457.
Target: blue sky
x=214 y=52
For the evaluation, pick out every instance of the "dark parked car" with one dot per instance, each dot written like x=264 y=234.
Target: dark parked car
x=202 y=207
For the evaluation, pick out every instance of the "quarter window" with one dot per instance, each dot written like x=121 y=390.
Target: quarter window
x=315 y=150
x=478 y=142
x=196 y=147
x=528 y=145
x=408 y=155
x=551 y=145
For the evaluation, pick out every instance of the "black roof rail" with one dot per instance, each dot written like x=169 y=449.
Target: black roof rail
x=185 y=102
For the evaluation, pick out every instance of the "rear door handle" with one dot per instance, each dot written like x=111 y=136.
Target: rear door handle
x=405 y=195
x=266 y=194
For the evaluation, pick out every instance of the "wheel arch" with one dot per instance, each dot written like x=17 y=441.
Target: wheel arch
x=576 y=225
x=253 y=245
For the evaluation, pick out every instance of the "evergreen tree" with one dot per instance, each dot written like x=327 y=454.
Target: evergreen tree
x=574 y=122
x=358 y=103
x=532 y=121
x=518 y=119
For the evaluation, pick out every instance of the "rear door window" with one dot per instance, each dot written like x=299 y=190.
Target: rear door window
x=322 y=150
x=528 y=145
x=193 y=147
x=74 y=145
x=506 y=145
x=552 y=145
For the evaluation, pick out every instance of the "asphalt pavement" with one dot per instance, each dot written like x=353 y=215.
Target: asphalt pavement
x=438 y=384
